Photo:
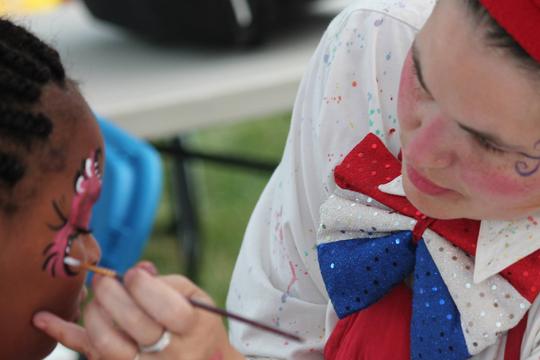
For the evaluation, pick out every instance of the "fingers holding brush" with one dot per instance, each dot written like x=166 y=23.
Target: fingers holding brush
x=199 y=334
x=153 y=316
x=167 y=304
x=112 y=299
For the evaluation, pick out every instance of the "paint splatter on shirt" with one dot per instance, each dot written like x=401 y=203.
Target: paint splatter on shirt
x=350 y=89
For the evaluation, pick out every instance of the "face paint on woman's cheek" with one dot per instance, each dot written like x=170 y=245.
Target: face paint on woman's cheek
x=530 y=164
x=87 y=189
x=493 y=183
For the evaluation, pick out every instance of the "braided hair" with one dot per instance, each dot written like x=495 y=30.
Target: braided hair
x=26 y=65
x=498 y=37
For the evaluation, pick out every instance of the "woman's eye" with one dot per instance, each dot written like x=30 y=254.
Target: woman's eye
x=487 y=145
x=418 y=84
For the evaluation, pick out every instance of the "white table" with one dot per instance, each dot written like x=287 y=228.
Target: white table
x=155 y=92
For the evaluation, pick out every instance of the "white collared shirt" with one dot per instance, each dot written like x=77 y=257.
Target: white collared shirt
x=350 y=88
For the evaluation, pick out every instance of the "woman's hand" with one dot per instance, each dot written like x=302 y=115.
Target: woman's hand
x=122 y=320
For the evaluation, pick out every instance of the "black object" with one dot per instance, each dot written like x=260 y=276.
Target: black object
x=227 y=22
x=185 y=207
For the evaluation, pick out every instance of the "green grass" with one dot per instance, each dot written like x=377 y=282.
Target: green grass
x=225 y=197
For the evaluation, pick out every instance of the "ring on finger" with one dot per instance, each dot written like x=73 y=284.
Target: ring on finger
x=161 y=343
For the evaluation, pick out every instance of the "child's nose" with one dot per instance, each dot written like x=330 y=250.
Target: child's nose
x=92 y=251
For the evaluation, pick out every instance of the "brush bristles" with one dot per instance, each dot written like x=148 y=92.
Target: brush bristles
x=71 y=261
x=99 y=270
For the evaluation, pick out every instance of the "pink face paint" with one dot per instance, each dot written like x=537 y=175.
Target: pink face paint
x=493 y=184
x=87 y=189
x=408 y=94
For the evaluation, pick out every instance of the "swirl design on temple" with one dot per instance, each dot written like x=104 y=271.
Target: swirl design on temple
x=523 y=167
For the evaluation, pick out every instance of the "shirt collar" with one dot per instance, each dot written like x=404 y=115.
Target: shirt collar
x=500 y=243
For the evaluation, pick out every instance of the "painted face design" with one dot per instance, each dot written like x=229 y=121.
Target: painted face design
x=522 y=167
x=87 y=186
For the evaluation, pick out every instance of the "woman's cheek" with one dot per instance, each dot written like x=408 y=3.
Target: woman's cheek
x=407 y=96
x=493 y=182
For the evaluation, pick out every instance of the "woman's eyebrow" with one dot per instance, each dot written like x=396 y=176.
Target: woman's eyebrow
x=418 y=67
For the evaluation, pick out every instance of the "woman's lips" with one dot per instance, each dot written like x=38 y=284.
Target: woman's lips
x=423 y=184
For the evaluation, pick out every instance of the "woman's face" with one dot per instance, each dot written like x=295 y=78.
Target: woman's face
x=56 y=197
x=470 y=123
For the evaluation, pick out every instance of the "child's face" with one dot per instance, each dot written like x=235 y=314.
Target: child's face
x=60 y=188
x=469 y=120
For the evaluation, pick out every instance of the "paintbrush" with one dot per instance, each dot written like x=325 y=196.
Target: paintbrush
x=201 y=305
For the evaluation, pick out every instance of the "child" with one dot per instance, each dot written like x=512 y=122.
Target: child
x=51 y=156
x=51 y=160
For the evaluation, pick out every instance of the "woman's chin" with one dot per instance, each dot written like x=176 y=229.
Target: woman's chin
x=427 y=205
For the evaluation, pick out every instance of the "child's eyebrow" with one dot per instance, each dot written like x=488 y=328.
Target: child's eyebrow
x=418 y=67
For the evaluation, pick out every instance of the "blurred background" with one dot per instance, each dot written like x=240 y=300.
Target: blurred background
x=208 y=83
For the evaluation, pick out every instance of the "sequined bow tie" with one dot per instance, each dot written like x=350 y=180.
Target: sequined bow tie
x=359 y=271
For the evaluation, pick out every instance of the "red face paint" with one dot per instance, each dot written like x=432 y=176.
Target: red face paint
x=494 y=184
x=408 y=94
x=87 y=189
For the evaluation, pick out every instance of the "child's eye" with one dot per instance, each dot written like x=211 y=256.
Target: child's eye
x=84 y=231
x=61 y=216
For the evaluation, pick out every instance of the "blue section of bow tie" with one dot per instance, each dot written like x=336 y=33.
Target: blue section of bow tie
x=359 y=272
x=436 y=331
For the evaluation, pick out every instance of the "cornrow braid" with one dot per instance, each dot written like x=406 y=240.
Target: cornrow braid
x=18 y=38
x=26 y=65
x=23 y=126
x=17 y=87
x=11 y=169
x=23 y=64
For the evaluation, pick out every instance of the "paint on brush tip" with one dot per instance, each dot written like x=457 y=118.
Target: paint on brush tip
x=71 y=261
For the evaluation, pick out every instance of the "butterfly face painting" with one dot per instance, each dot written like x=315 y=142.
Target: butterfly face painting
x=87 y=187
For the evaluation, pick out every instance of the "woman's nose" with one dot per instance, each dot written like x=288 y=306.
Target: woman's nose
x=431 y=145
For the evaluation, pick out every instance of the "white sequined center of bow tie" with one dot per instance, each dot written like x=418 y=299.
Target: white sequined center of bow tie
x=343 y=219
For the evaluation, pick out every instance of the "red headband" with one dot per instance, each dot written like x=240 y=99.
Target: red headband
x=521 y=19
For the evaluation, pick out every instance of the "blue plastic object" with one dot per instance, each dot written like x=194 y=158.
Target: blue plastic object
x=123 y=217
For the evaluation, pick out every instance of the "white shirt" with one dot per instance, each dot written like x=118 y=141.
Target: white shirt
x=350 y=88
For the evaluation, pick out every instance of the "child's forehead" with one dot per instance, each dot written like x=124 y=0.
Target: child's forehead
x=51 y=167
x=75 y=130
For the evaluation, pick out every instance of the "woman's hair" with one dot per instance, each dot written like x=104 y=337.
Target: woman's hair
x=498 y=37
x=26 y=65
